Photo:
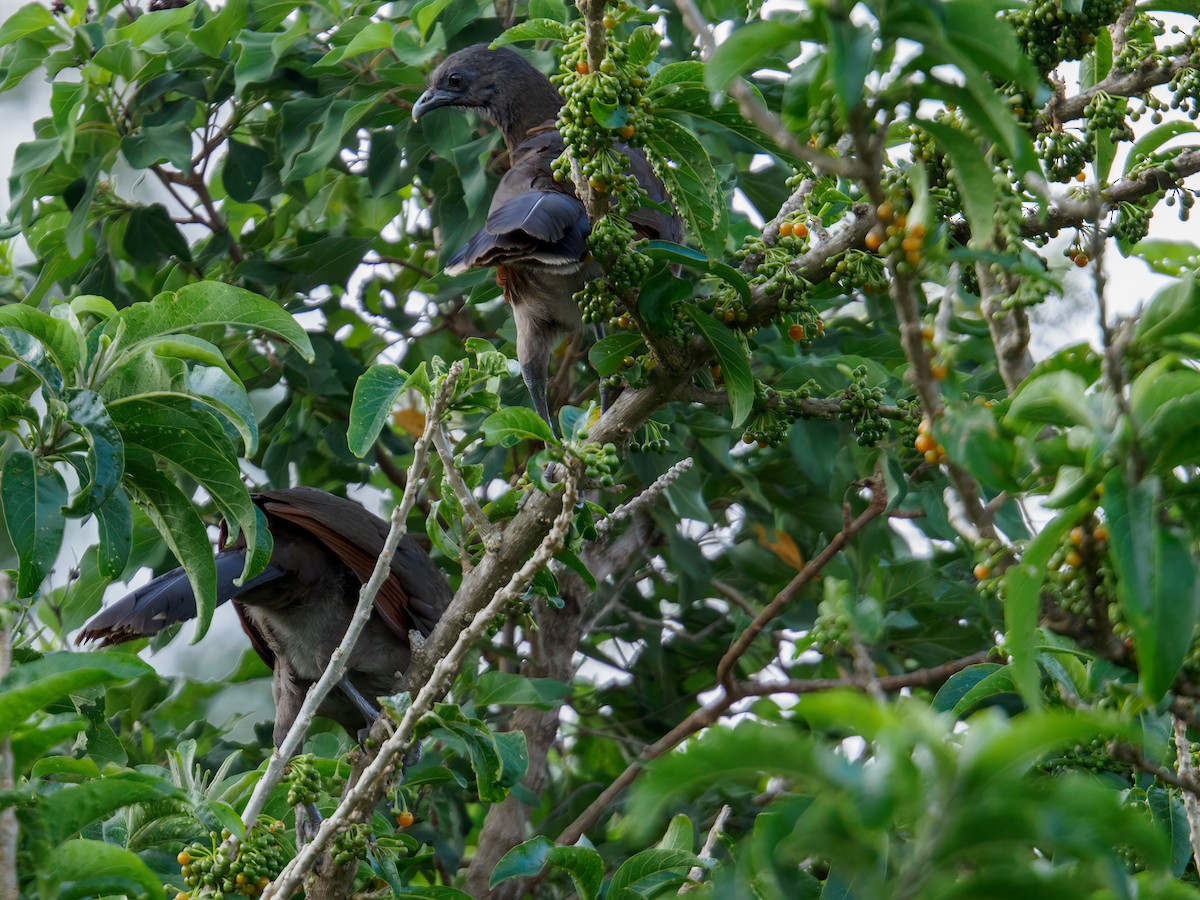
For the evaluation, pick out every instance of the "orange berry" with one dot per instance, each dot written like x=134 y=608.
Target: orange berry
x=626 y=131
x=404 y=818
x=873 y=240
x=925 y=442
x=939 y=372
x=911 y=243
x=797 y=333
x=800 y=230
x=183 y=858
x=785 y=229
x=927 y=332
x=598 y=186
x=913 y=258
x=581 y=67
x=918 y=230
x=1101 y=533
x=1074 y=560
x=932 y=457
x=728 y=316
x=820 y=327
x=885 y=212
x=1081 y=259
x=902 y=221
x=1081 y=176
x=982 y=572
x=924 y=426
x=1077 y=536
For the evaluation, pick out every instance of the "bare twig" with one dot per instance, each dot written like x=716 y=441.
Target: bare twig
x=337 y=662
x=645 y=499
x=1187 y=772
x=484 y=528
x=697 y=872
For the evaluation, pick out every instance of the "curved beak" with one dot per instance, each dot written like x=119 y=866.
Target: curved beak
x=431 y=99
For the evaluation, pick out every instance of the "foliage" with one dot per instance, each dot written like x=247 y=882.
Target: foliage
x=887 y=495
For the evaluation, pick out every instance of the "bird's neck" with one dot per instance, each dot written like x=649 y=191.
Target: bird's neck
x=537 y=103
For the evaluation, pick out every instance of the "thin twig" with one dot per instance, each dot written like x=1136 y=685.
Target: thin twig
x=359 y=799
x=646 y=498
x=1187 y=772
x=362 y=613
x=483 y=527
x=697 y=872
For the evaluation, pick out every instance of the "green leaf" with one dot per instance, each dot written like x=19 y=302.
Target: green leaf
x=35 y=685
x=180 y=526
x=114 y=520
x=642 y=47
x=680 y=836
x=25 y=21
x=33 y=503
x=83 y=869
x=735 y=366
x=682 y=163
x=650 y=865
x=106 y=451
x=994 y=684
x=534 y=30
x=608 y=354
x=974 y=177
x=745 y=48
x=1023 y=583
x=527 y=860
x=851 y=56
x=1157 y=585
x=1174 y=310
x=27 y=350
x=510 y=689
x=205 y=303
x=1055 y=398
x=509 y=427
x=194 y=441
x=959 y=684
x=375 y=394
x=685 y=256
x=56 y=335
x=74 y=808
x=213 y=37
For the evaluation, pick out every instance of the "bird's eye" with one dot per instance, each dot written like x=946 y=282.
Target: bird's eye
x=455 y=81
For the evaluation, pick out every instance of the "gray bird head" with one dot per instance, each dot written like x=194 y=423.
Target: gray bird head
x=500 y=84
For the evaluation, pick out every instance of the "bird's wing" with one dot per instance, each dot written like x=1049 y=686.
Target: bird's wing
x=257 y=641
x=414 y=594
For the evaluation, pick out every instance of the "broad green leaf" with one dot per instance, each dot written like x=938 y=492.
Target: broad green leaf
x=650 y=865
x=735 y=366
x=190 y=347
x=1055 y=398
x=996 y=683
x=685 y=256
x=375 y=394
x=509 y=427
x=973 y=439
x=73 y=808
x=851 y=57
x=114 y=521
x=1173 y=310
x=180 y=526
x=681 y=161
x=31 y=745
x=534 y=30
x=643 y=44
x=213 y=36
x=143 y=28
x=746 y=48
x=680 y=836
x=27 y=350
x=35 y=685
x=526 y=860
x=213 y=387
x=205 y=303
x=514 y=757
x=959 y=684
x=29 y=18
x=195 y=442
x=84 y=869
x=106 y=451
x=608 y=354
x=1023 y=583
x=56 y=335
x=33 y=502
x=510 y=689
x=974 y=177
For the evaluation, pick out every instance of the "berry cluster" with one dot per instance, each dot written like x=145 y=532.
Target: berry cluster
x=1132 y=222
x=894 y=236
x=776 y=275
x=832 y=628
x=601 y=462
x=1185 y=92
x=1141 y=46
x=304 y=781
x=774 y=412
x=351 y=844
x=825 y=123
x=651 y=439
x=208 y=872
x=1064 y=154
x=1051 y=34
x=1104 y=119
x=860 y=405
x=928 y=445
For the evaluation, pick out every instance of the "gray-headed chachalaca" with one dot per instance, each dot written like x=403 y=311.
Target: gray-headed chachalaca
x=297 y=610
x=536 y=231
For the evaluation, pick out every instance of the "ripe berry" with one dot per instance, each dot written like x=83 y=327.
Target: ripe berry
x=626 y=131
x=183 y=858
x=924 y=443
x=1101 y=533
x=873 y=240
x=938 y=371
x=1074 y=560
x=982 y=572
x=885 y=212
x=404 y=818
x=796 y=332
x=1077 y=536
x=785 y=229
x=800 y=230
x=1081 y=259
x=581 y=67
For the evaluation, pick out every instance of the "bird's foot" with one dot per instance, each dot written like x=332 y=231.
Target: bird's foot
x=308 y=823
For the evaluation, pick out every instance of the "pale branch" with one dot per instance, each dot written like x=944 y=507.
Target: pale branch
x=875 y=508
x=1118 y=83
x=754 y=111
x=1187 y=774
x=359 y=799
x=646 y=498
x=484 y=528
x=333 y=673
x=8 y=816
x=712 y=711
x=710 y=842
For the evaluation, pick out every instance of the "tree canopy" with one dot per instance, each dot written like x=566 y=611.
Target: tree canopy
x=845 y=595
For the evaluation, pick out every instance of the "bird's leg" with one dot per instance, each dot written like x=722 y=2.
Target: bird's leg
x=365 y=706
x=308 y=822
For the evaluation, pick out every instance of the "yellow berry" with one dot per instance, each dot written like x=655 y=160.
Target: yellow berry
x=938 y=371
x=982 y=572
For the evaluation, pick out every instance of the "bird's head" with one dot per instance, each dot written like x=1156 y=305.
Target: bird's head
x=469 y=78
x=499 y=84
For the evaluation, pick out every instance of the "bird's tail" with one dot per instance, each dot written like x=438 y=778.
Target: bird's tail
x=165 y=601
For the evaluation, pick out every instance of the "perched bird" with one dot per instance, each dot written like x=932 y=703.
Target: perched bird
x=297 y=610
x=537 y=229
